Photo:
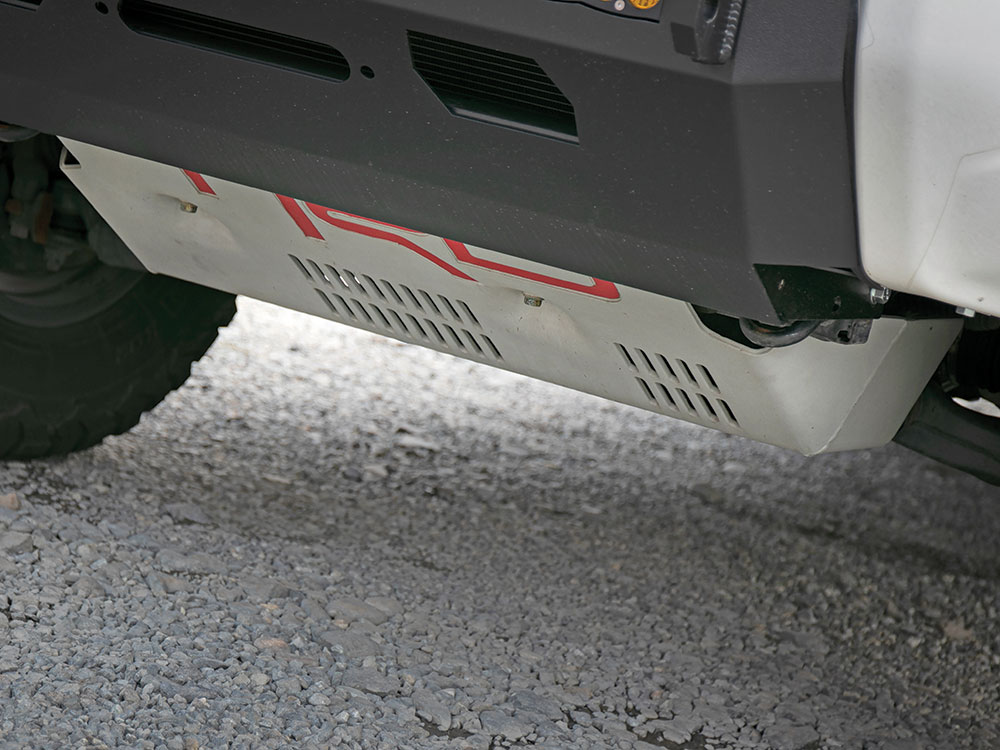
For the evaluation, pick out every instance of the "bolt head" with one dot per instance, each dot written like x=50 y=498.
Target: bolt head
x=880 y=295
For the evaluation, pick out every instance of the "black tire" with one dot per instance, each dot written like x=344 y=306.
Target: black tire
x=65 y=385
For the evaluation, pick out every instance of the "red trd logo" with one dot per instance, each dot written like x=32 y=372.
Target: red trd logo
x=299 y=212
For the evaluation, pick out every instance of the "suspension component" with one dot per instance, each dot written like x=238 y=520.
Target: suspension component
x=975 y=361
x=772 y=337
x=14 y=133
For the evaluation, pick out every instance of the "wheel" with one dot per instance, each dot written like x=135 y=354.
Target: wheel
x=85 y=347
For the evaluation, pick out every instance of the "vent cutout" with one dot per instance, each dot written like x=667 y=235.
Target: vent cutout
x=235 y=39
x=675 y=387
x=491 y=86
x=26 y=4
x=397 y=309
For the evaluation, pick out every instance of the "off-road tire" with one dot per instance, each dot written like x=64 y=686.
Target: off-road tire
x=66 y=387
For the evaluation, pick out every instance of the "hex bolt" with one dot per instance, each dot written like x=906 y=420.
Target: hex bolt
x=880 y=295
x=532 y=301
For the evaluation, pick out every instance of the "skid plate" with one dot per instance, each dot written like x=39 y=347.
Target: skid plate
x=589 y=334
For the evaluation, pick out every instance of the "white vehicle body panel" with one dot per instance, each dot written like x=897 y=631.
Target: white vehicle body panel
x=928 y=148
x=591 y=335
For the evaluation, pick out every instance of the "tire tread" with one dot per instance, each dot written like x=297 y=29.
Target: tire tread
x=187 y=318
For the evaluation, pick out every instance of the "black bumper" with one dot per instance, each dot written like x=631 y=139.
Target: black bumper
x=679 y=177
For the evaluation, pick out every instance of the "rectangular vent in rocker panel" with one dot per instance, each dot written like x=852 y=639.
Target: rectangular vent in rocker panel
x=491 y=86
x=235 y=39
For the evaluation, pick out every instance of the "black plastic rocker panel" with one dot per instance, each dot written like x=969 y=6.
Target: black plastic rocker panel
x=594 y=143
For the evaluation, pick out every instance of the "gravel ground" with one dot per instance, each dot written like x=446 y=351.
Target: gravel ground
x=330 y=539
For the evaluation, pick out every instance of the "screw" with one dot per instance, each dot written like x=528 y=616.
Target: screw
x=532 y=301
x=966 y=312
x=188 y=208
x=880 y=295
x=620 y=5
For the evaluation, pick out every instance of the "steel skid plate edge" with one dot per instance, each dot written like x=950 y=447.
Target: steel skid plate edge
x=593 y=335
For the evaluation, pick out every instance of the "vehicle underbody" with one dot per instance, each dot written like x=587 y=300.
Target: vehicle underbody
x=673 y=205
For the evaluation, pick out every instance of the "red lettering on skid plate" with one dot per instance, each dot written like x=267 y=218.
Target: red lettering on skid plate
x=349 y=223
x=199 y=182
x=333 y=218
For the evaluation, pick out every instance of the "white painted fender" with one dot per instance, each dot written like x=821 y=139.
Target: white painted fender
x=928 y=148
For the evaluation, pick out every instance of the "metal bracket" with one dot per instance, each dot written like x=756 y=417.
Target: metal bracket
x=716 y=27
x=846 y=332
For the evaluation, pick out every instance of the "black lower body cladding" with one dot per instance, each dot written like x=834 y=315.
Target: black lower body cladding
x=677 y=177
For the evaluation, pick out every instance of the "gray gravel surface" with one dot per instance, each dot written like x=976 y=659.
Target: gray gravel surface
x=330 y=539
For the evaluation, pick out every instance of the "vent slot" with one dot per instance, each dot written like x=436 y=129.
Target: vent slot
x=395 y=309
x=235 y=39
x=26 y=4
x=491 y=86
x=699 y=399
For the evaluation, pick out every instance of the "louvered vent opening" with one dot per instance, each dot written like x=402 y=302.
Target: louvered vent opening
x=26 y=4
x=397 y=309
x=493 y=86
x=235 y=39
x=676 y=387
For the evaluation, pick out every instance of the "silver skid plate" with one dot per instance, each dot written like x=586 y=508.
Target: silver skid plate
x=589 y=334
